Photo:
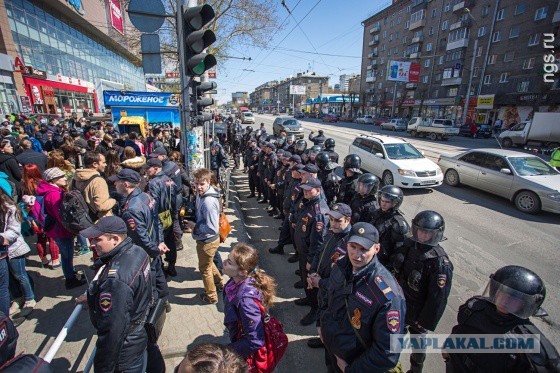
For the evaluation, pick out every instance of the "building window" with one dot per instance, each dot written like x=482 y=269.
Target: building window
x=485 y=10
x=396 y=50
x=481 y=31
x=492 y=59
x=488 y=79
x=452 y=92
x=436 y=93
x=404 y=54
x=479 y=52
x=440 y=62
x=514 y=32
x=418 y=16
x=461 y=33
x=399 y=20
x=501 y=14
x=391 y=37
x=541 y=13
x=431 y=32
x=425 y=79
x=447 y=7
x=528 y=63
x=409 y=8
x=444 y=25
x=428 y=47
x=438 y=77
x=520 y=8
x=523 y=87
x=427 y=63
x=508 y=57
x=504 y=77
x=534 y=39
x=397 y=36
x=392 y=24
x=434 y=13
x=497 y=37
x=384 y=34
x=475 y=72
x=447 y=73
x=407 y=25
x=384 y=48
x=379 y=85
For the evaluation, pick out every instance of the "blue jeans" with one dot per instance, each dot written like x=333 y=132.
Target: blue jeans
x=66 y=248
x=82 y=242
x=4 y=287
x=17 y=267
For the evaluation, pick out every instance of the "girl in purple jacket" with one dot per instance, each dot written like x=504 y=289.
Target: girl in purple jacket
x=247 y=286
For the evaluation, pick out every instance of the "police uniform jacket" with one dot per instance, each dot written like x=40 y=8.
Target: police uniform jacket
x=270 y=167
x=392 y=228
x=164 y=191
x=425 y=276
x=291 y=195
x=331 y=184
x=119 y=302
x=333 y=155
x=369 y=303
x=363 y=208
x=263 y=157
x=309 y=223
x=347 y=191
x=219 y=159
x=173 y=171
x=317 y=140
x=252 y=158
x=140 y=214
x=281 y=178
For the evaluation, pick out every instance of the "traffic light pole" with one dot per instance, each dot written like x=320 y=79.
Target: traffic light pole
x=185 y=80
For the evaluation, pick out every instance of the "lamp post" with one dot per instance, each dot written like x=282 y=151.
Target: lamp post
x=468 y=96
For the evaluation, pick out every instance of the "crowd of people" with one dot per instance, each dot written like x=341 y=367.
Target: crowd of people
x=78 y=187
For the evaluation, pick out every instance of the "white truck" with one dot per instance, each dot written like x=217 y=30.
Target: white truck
x=543 y=130
x=436 y=129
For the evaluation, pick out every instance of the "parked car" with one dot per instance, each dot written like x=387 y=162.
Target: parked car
x=247 y=117
x=289 y=125
x=348 y=119
x=396 y=162
x=330 y=118
x=275 y=113
x=299 y=114
x=525 y=179
x=378 y=120
x=366 y=119
x=259 y=111
x=394 y=125
x=436 y=129
x=482 y=131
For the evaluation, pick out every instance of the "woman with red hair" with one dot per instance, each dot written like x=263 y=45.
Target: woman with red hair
x=34 y=205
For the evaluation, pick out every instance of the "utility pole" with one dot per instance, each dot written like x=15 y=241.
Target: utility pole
x=394 y=100
x=468 y=96
x=321 y=96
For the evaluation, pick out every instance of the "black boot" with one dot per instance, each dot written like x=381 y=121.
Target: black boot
x=171 y=271
x=299 y=285
x=277 y=250
x=310 y=318
x=315 y=343
x=302 y=302
x=74 y=283
x=294 y=258
x=252 y=195
x=259 y=198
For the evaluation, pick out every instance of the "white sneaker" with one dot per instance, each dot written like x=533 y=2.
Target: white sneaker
x=27 y=308
x=14 y=308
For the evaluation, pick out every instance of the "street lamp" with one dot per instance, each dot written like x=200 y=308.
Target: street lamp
x=468 y=97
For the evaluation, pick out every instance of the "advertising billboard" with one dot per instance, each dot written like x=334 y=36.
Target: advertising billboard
x=407 y=72
x=116 y=15
x=141 y=99
x=297 y=90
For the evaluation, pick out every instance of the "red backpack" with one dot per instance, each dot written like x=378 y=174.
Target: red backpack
x=268 y=356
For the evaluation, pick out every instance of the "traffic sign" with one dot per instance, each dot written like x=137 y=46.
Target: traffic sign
x=146 y=15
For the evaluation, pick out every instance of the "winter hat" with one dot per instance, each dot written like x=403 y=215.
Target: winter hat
x=53 y=174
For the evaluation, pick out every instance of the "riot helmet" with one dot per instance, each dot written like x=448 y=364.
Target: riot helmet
x=329 y=144
x=291 y=138
x=432 y=226
x=258 y=133
x=301 y=145
x=367 y=185
x=322 y=160
x=516 y=290
x=315 y=149
x=392 y=193
x=321 y=132
x=353 y=162
x=249 y=129
x=281 y=141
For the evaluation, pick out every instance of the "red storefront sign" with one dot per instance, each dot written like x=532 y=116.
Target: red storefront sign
x=50 y=85
x=116 y=15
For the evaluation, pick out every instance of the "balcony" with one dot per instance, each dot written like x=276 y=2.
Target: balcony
x=374 y=29
x=461 y=43
x=368 y=67
x=411 y=85
x=451 y=81
x=462 y=5
x=370 y=79
x=374 y=63
x=370 y=55
x=370 y=43
x=370 y=90
x=417 y=24
x=418 y=39
x=375 y=40
x=415 y=55
x=456 y=25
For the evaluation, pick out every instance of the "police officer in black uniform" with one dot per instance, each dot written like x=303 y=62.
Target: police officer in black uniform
x=252 y=162
x=352 y=170
x=329 y=148
x=330 y=180
x=310 y=154
x=390 y=224
x=363 y=308
x=309 y=222
x=425 y=272
x=262 y=197
x=164 y=191
x=280 y=181
x=218 y=158
x=334 y=249
x=364 y=203
x=269 y=173
x=237 y=137
x=290 y=143
x=120 y=299
x=245 y=145
x=319 y=139
x=513 y=294
x=300 y=147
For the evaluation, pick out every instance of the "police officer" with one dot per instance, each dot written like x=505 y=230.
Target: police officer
x=140 y=213
x=310 y=154
x=245 y=145
x=329 y=179
x=300 y=147
x=425 y=272
x=319 y=139
x=237 y=136
x=164 y=191
x=364 y=203
x=290 y=143
x=251 y=162
x=309 y=223
x=513 y=294
x=334 y=249
x=269 y=173
x=363 y=308
x=263 y=158
x=218 y=158
x=279 y=183
x=352 y=170
x=119 y=300
x=329 y=148
x=390 y=224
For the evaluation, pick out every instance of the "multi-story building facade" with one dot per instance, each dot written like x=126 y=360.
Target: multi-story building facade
x=58 y=56
x=240 y=98
x=345 y=81
x=262 y=96
x=503 y=41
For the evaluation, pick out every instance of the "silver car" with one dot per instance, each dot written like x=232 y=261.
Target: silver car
x=526 y=180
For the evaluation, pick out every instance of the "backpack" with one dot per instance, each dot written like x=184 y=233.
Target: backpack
x=36 y=145
x=74 y=211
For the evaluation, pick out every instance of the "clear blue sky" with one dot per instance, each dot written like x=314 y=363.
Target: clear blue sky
x=332 y=27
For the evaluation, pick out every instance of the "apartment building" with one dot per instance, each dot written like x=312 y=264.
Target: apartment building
x=263 y=95
x=503 y=40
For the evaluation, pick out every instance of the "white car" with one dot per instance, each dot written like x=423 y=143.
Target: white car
x=367 y=119
x=396 y=162
x=247 y=117
x=394 y=125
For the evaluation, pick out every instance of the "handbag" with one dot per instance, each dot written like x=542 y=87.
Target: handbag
x=225 y=227
x=266 y=359
x=155 y=321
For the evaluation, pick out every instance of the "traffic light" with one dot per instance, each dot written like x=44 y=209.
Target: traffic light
x=196 y=40
x=199 y=102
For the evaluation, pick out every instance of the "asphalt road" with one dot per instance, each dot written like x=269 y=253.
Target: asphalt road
x=484 y=232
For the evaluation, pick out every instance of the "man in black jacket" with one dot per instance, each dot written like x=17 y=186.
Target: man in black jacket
x=30 y=156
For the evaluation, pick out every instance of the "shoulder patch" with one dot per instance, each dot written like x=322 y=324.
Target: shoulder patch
x=105 y=301
x=363 y=298
x=384 y=287
x=393 y=320
x=441 y=281
x=131 y=224
x=319 y=226
x=147 y=272
x=169 y=183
